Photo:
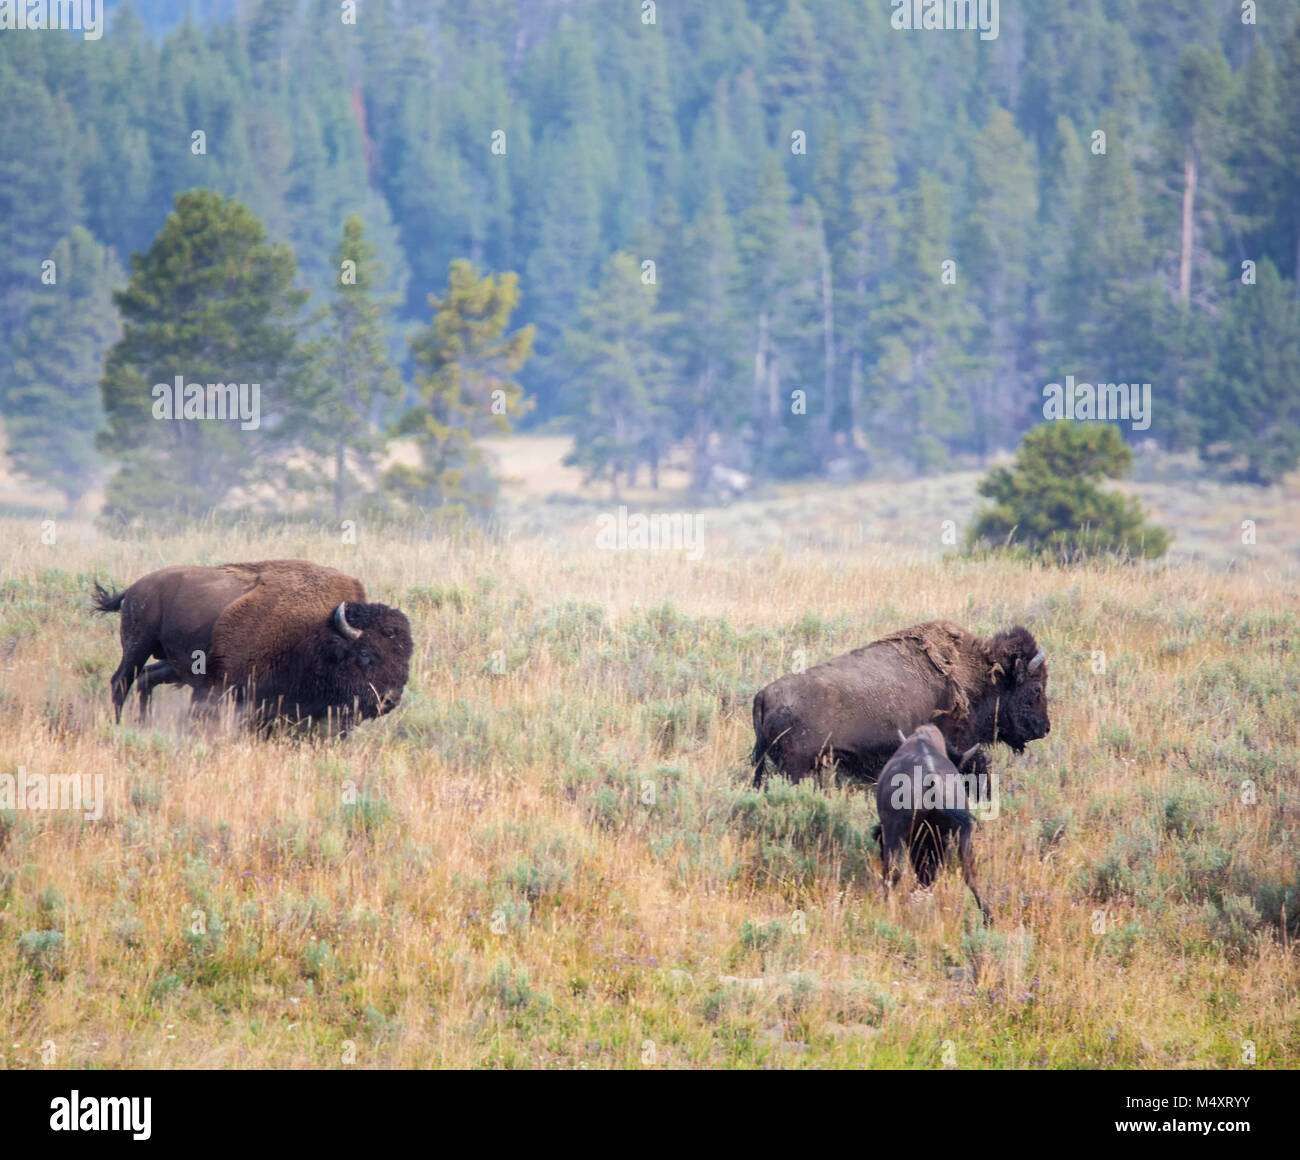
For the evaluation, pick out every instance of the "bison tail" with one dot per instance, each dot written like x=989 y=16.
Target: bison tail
x=105 y=601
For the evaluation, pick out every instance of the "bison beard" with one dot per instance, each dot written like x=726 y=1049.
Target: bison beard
x=850 y=709
x=290 y=638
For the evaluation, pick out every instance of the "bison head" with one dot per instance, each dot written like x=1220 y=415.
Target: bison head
x=368 y=656
x=1014 y=710
x=354 y=665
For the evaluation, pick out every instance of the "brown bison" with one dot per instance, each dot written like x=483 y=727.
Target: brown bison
x=850 y=709
x=922 y=801
x=295 y=639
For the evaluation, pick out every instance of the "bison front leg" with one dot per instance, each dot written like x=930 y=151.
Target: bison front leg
x=893 y=854
x=206 y=702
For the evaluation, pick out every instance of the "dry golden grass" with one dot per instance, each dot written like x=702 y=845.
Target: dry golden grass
x=561 y=864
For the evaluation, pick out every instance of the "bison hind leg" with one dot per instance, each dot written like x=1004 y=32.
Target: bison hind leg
x=966 y=848
x=791 y=761
x=134 y=658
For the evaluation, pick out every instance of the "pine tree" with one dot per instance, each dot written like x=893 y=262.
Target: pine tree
x=1258 y=160
x=925 y=324
x=210 y=302
x=483 y=105
x=466 y=362
x=708 y=338
x=768 y=260
x=1285 y=149
x=1062 y=41
x=1250 y=407
x=618 y=392
x=51 y=399
x=116 y=158
x=710 y=41
x=1049 y=501
x=1004 y=205
x=867 y=257
x=40 y=194
x=662 y=140
x=565 y=260
x=352 y=374
x=1193 y=146
x=794 y=71
x=1063 y=173
x=1115 y=319
x=827 y=410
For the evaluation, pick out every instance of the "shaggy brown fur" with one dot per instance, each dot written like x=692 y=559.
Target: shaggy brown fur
x=971 y=666
x=851 y=708
x=284 y=601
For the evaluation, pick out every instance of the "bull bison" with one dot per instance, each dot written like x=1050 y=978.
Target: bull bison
x=922 y=802
x=851 y=708
x=294 y=639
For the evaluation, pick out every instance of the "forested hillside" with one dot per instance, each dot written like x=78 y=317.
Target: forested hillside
x=779 y=235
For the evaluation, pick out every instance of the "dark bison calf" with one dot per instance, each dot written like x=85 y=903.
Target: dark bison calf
x=922 y=803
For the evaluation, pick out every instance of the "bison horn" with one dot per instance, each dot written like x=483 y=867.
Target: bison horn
x=341 y=625
x=965 y=757
x=1039 y=657
x=902 y=736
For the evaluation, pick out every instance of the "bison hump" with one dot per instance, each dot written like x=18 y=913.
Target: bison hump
x=288 y=599
x=954 y=654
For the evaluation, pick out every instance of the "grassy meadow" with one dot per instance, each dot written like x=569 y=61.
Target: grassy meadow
x=550 y=855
